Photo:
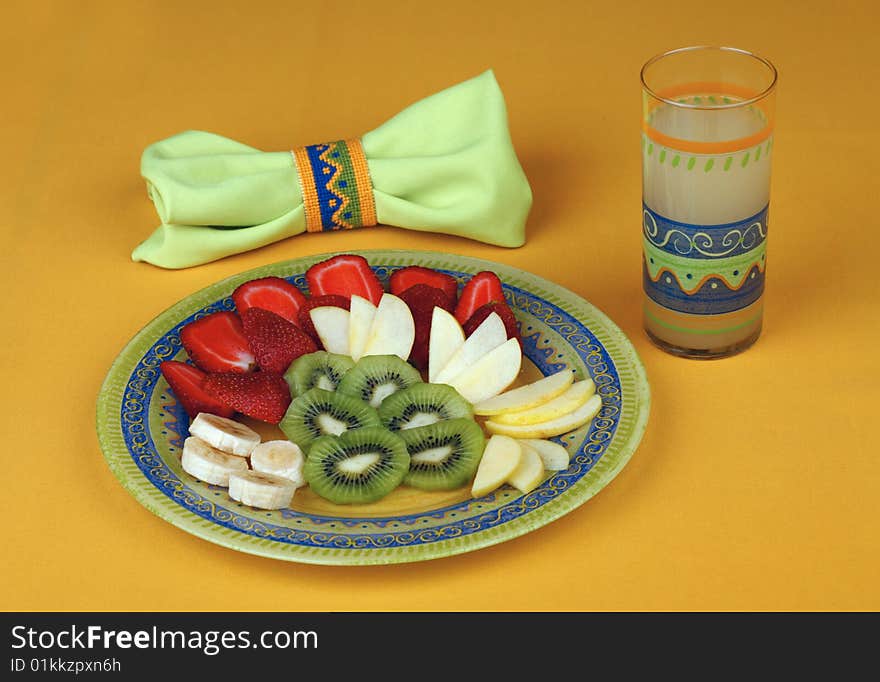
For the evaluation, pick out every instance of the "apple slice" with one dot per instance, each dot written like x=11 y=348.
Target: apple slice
x=446 y=337
x=500 y=459
x=362 y=314
x=529 y=472
x=332 y=324
x=484 y=339
x=554 y=427
x=527 y=396
x=393 y=330
x=554 y=455
x=491 y=374
x=573 y=397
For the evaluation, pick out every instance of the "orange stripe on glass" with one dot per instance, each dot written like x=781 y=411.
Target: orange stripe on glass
x=701 y=88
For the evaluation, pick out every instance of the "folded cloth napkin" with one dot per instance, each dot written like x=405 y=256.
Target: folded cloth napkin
x=445 y=164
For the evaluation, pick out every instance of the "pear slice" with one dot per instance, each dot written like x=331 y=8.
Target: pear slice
x=331 y=323
x=529 y=472
x=485 y=338
x=491 y=374
x=446 y=337
x=574 y=396
x=525 y=397
x=554 y=455
x=362 y=313
x=554 y=427
x=500 y=459
x=393 y=330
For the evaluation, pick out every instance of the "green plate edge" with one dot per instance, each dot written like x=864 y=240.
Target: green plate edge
x=635 y=409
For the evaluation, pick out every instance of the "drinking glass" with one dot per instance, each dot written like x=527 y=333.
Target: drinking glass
x=707 y=144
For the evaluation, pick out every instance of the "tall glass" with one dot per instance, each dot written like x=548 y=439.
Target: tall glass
x=707 y=144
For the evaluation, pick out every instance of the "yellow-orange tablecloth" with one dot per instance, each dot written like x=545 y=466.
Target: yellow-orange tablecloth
x=756 y=485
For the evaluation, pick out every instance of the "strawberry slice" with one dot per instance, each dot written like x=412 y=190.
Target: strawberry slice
x=187 y=382
x=408 y=277
x=216 y=343
x=344 y=275
x=480 y=289
x=270 y=293
x=261 y=395
x=422 y=299
x=305 y=320
x=504 y=312
x=274 y=341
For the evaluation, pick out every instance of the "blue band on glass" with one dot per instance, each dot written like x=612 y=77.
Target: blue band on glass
x=714 y=296
x=704 y=241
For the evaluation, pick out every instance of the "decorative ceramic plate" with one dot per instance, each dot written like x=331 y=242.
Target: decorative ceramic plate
x=141 y=428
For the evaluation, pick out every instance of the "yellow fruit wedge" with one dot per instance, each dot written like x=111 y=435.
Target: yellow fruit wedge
x=529 y=472
x=554 y=455
x=500 y=459
x=554 y=427
x=530 y=395
x=573 y=397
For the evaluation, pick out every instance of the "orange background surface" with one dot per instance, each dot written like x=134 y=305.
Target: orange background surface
x=757 y=484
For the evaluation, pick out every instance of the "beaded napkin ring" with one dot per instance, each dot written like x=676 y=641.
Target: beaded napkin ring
x=336 y=187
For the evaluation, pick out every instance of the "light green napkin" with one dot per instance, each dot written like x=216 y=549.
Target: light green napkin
x=444 y=164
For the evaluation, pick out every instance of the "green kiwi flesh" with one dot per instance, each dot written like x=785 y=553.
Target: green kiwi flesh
x=318 y=412
x=423 y=404
x=317 y=370
x=445 y=455
x=357 y=467
x=375 y=377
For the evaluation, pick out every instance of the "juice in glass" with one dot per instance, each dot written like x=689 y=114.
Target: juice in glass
x=707 y=146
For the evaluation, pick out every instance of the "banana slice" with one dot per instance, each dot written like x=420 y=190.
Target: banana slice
x=224 y=434
x=209 y=464
x=281 y=458
x=264 y=491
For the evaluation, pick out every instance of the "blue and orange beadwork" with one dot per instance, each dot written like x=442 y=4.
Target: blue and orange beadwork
x=336 y=187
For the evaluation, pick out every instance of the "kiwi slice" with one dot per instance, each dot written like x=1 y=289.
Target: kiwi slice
x=357 y=466
x=318 y=412
x=375 y=377
x=444 y=455
x=422 y=404
x=317 y=370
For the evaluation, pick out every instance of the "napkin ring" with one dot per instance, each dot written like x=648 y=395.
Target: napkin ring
x=336 y=187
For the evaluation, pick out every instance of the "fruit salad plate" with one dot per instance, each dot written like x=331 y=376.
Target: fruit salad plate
x=142 y=427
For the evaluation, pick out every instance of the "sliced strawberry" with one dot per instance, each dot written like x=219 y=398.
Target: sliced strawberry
x=422 y=299
x=274 y=341
x=305 y=320
x=344 y=275
x=187 y=382
x=504 y=312
x=480 y=289
x=271 y=293
x=403 y=279
x=216 y=343
x=261 y=395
